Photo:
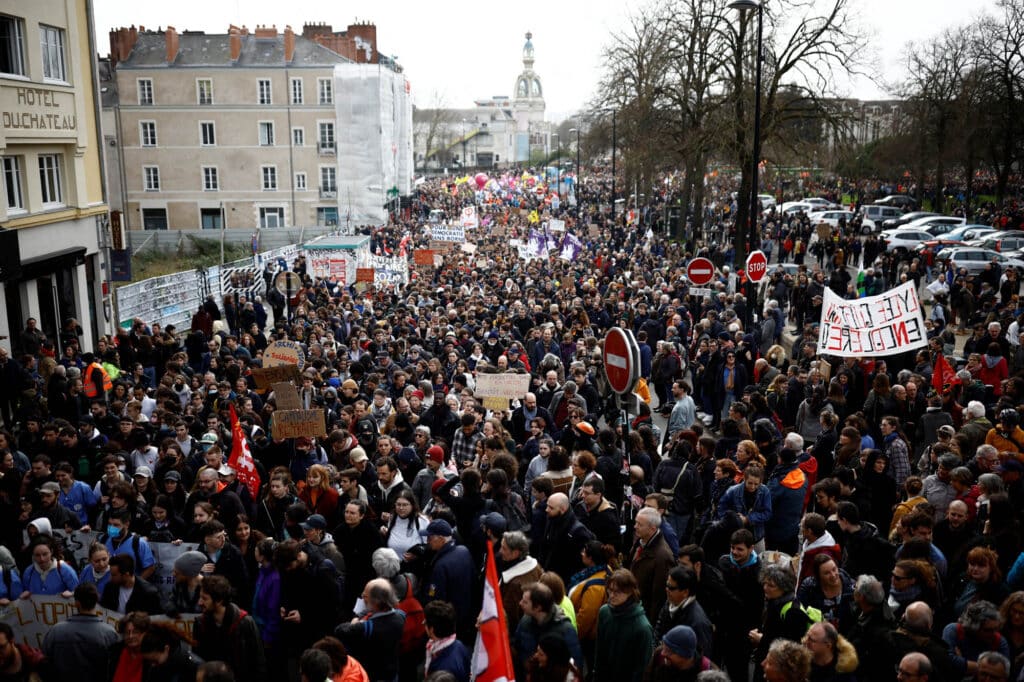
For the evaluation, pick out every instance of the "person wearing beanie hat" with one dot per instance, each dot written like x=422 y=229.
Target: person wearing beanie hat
x=184 y=597
x=425 y=478
x=678 y=658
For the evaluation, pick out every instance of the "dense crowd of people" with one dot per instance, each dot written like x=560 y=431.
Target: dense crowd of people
x=761 y=512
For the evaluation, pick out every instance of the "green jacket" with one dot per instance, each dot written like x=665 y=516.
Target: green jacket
x=625 y=644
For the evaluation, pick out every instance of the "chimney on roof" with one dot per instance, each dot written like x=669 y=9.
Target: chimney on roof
x=171 y=40
x=289 y=44
x=235 y=43
x=245 y=30
x=122 y=41
x=266 y=31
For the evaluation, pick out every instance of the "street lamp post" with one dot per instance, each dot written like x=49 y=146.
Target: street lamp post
x=755 y=202
x=614 y=143
x=465 y=164
x=576 y=185
x=558 y=165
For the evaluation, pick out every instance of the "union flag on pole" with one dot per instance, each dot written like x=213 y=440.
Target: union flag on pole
x=241 y=458
x=492 y=655
x=943 y=376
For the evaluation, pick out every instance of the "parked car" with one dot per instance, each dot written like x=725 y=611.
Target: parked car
x=1003 y=244
x=899 y=200
x=893 y=223
x=819 y=203
x=937 y=225
x=767 y=201
x=790 y=207
x=929 y=248
x=831 y=217
x=901 y=241
x=874 y=215
x=966 y=232
x=974 y=260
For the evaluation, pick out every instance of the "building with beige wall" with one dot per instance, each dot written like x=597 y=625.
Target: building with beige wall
x=54 y=210
x=235 y=129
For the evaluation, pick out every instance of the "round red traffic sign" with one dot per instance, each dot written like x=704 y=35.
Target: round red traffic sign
x=621 y=360
x=757 y=266
x=700 y=271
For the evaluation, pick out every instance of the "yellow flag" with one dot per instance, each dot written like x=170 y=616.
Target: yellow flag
x=533 y=217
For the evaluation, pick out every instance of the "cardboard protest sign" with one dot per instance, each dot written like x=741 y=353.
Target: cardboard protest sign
x=364 y=274
x=266 y=377
x=502 y=385
x=491 y=403
x=286 y=396
x=165 y=554
x=295 y=423
x=448 y=233
x=872 y=326
x=32 y=618
x=468 y=219
x=284 y=353
x=423 y=257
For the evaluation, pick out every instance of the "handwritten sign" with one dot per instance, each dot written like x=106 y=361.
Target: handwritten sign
x=495 y=403
x=502 y=385
x=32 y=618
x=423 y=257
x=165 y=554
x=266 y=377
x=284 y=352
x=448 y=233
x=364 y=274
x=872 y=326
x=286 y=396
x=468 y=218
x=295 y=423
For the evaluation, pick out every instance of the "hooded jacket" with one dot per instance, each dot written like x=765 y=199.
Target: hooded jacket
x=625 y=643
x=787 y=486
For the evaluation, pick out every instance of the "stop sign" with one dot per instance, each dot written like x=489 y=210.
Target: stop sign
x=700 y=271
x=621 y=360
x=757 y=266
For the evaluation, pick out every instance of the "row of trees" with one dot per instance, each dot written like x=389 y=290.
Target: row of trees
x=680 y=78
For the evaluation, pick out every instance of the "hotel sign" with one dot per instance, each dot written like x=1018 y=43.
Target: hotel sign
x=33 y=111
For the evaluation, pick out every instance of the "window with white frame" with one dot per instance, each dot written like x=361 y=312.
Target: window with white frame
x=298 y=137
x=50 y=184
x=12 y=183
x=145 y=91
x=269 y=178
x=151 y=178
x=296 y=91
x=207 y=133
x=263 y=95
x=147 y=133
x=204 y=91
x=326 y=138
x=271 y=216
x=211 y=180
x=266 y=133
x=328 y=179
x=325 y=90
x=12 y=45
x=300 y=182
x=51 y=40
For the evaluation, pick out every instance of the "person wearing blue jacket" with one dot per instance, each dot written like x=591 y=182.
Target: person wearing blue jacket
x=788 y=488
x=444 y=651
x=750 y=500
x=75 y=496
x=451 y=576
x=48 y=573
x=10 y=585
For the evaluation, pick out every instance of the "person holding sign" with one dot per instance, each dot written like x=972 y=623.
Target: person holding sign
x=48 y=573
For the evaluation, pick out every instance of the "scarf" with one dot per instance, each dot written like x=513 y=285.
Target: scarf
x=899 y=597
x=623 y=608
x=991 y=360
x=586 y=573
x=435 y=646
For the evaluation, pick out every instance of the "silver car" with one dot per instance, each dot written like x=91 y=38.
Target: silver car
x=974 y=260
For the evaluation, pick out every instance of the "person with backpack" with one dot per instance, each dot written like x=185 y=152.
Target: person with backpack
x=225 y=632
x=48 y=573
x=681 y=484
x=784 y=616
x=375 y=638
x=507 y=502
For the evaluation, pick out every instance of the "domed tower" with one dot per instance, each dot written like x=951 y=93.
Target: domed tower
x=528 y=105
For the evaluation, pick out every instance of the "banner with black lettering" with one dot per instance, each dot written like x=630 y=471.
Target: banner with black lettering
x=872 y=326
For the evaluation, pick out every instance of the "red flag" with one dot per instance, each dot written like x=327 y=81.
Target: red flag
x=241 y=458
x=492 y=655
x=943 y=376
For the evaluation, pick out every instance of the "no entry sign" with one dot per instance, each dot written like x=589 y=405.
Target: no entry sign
x=757 y=266
x=700 y=271
x=621 y=360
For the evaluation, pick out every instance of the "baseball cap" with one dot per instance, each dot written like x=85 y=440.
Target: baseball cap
x=209 y=438
x=494 y=522
x=314 y=522
x=50 y=487
x=681 y=640
x=172 y=476
x=143 y=471
x=357 y=455
x=438 y=527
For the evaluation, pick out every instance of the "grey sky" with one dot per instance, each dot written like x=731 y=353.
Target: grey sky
x=465 y=51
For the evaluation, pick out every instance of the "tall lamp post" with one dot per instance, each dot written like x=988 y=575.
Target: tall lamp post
x=465 y=164
x=558 y=165
x=742 y=234
x=576 y=185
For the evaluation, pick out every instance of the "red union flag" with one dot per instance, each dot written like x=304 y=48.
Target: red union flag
x=241 y=458
x=492 y=655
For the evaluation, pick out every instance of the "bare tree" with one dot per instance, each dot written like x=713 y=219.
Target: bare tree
x=432 y=126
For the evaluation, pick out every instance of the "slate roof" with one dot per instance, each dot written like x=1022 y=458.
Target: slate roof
x=213 y=50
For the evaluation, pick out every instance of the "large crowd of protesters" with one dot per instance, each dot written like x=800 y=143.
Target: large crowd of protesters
x=787 y=517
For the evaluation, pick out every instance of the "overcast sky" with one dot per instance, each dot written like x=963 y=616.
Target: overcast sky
x=459 y=52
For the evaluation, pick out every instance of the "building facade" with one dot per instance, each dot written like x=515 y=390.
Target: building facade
x=54 y=210
x=235 y=130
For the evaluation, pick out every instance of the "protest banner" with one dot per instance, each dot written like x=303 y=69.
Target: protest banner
x=448 y=233
x=284 y=352
x=491 y=403
x=295 y=423
x=502 y=385
x=468 y=248
x=328 y=265
x=165 y=554
x=468 y=219
x=75 y=545
x=286 y=396
x=364 y=274
x=872 y=326
x=423 y=257
x=556 y=225
x=265 y=377
x=33 y=617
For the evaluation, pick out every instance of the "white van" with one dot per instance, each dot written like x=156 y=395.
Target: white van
x=874 y=215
